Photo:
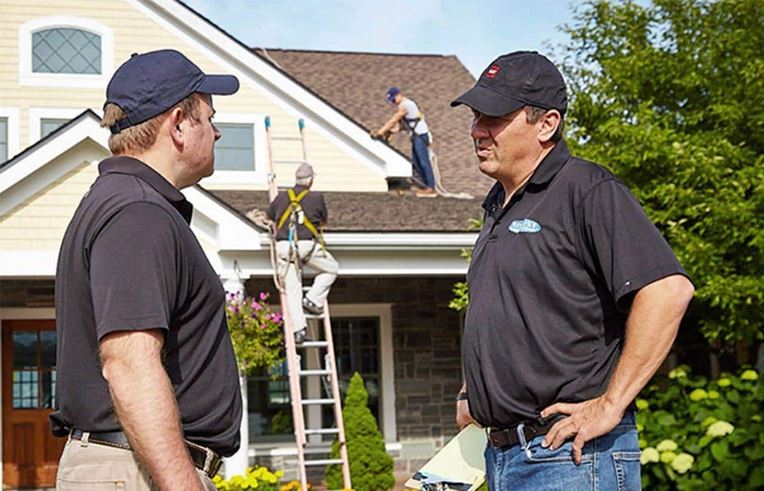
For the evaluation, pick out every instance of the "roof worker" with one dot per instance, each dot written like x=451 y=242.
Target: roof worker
x=412 y=119
x=575 y=297
x=300 y=214
x=148 y=386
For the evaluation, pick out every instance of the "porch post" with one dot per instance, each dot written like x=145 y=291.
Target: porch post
x=238 y=462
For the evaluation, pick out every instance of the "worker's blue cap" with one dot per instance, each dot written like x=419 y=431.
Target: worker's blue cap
x=149 y=84
x=392 y=92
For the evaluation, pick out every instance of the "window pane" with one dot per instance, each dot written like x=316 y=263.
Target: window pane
x=270 y=410
x=48 y=351
x=48 y=399
x=25 y=349
x=25 y=389
x=3 y=139
x=236 y=148
x=66 y=50
x=49 y=125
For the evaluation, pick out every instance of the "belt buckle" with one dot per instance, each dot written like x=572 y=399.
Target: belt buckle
x=211 y=463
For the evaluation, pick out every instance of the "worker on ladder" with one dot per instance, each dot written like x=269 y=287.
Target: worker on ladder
x=411 y=118
x=300 y=214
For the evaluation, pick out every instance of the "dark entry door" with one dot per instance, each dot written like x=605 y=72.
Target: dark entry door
x=30 y=452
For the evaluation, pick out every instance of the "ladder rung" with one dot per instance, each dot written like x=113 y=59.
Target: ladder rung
x=289 y=161
x=313 y=316
x=314 y=344
x=322 y=462
x=315 y=402
x=308 y=373
x=321 y=431
x=285 y=137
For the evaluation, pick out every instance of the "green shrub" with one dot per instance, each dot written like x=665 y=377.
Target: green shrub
x=701 y=434
x=371 y=468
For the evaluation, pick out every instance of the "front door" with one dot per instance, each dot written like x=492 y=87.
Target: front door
x=30 y=451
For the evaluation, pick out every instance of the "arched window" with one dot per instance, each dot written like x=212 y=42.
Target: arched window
x=66 y=50
x=60 y=51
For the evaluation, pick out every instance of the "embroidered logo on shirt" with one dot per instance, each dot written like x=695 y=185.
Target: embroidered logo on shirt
x=526 y=226
x=493 y=71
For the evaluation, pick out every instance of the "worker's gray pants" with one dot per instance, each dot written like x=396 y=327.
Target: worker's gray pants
x=326 y=272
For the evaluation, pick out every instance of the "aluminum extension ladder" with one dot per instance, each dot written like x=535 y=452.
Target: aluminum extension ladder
x=316 y=376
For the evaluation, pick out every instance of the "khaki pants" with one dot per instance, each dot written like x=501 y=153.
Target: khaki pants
x=326 y=272
x=95 y=467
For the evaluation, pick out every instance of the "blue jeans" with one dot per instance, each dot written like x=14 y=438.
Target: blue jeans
x=610 y=462
x=421 y=158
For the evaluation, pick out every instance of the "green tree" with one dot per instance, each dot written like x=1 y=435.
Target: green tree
x=670 y=97
x=371 y=468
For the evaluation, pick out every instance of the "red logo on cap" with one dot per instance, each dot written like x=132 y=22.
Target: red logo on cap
x=493 y=71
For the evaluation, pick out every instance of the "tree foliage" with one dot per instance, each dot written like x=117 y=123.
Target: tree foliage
x=371 y=468
x=670 y=96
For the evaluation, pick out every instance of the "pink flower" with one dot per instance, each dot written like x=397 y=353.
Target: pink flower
x=256 y=306
x=263 y=295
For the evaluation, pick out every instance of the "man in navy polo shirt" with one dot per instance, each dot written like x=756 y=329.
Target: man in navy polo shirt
x=147 y=387
x=575 y=297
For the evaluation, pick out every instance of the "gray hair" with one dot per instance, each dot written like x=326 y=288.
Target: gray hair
x=304 y=181
x=533 y=114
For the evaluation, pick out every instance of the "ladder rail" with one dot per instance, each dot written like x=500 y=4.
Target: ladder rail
x=293 y=360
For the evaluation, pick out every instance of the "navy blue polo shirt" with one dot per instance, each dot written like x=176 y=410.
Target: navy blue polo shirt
x=551 y=281
x=129 y=261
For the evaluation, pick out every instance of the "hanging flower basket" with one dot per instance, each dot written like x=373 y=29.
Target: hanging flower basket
x=256 y=331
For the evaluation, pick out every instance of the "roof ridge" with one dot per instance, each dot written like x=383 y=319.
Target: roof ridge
x=347 y=52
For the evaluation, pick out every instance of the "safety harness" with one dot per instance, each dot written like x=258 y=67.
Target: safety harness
x=296 y=216
x=412 y=122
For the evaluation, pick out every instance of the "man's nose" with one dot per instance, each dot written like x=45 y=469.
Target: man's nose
x=478 y=129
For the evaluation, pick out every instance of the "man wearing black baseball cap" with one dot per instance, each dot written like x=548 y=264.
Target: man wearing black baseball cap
x=147 y=388
x=575 y=297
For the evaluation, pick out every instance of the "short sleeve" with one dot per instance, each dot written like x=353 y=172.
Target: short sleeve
x=622 y=245
x=133 y=270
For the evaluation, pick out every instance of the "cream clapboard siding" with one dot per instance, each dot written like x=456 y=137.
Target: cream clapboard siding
x=135 y=32
x=39 y=223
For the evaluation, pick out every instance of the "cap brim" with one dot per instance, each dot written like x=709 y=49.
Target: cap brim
x=219 y=85
x=488 y=102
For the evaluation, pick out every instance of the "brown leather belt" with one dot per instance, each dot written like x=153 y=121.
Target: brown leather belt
x=204 y=459
x=508 y=437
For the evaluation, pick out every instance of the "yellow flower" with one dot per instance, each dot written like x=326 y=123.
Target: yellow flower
x=749 y=375
x=724 y=382
x=667 y=446
x=698 y=395
x=642 y=404
x=678 y=372
x=720 y=428
x=667 y=457
x=712 y=394
x=682 y=463
x=649 y=455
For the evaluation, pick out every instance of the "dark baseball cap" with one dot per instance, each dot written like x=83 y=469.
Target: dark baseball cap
x=515 y=80
x=149 y=84
x=391 y=93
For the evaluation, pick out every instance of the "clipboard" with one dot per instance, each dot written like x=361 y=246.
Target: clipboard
x=458 y=466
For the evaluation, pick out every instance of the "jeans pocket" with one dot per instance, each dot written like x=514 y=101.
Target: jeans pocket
x=627 y=471
x=564 y=453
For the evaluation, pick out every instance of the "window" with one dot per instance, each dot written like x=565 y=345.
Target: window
x=34 y=369
x=3 y=139
x=357 y=348
x=49 y=125
x=235 y=151
x=66 y=50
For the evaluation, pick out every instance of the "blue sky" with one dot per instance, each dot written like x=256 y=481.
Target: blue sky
x=476 y=31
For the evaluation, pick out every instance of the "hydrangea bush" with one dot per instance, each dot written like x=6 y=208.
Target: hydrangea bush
x=256 y=331
x=701 y=434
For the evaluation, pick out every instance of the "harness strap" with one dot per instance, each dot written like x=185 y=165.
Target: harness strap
x=294 y=206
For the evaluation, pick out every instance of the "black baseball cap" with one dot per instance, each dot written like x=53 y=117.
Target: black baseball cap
x=515 y=80
x=149 y=84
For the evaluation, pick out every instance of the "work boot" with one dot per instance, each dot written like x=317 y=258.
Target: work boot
x=300 y=336
x=426 y=193
x=309 y=306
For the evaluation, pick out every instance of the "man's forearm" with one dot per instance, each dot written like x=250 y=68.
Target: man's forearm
x=147 y=410
x=651 y=328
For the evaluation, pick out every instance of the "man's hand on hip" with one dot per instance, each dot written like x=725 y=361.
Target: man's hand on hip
x=586 y=421
x=463 y=416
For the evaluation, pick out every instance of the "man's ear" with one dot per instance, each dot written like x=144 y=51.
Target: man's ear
x=549 y=124
x=175 y=125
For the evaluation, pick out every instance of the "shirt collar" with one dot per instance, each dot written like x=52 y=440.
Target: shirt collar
x=134 y=167
x=546 y=170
